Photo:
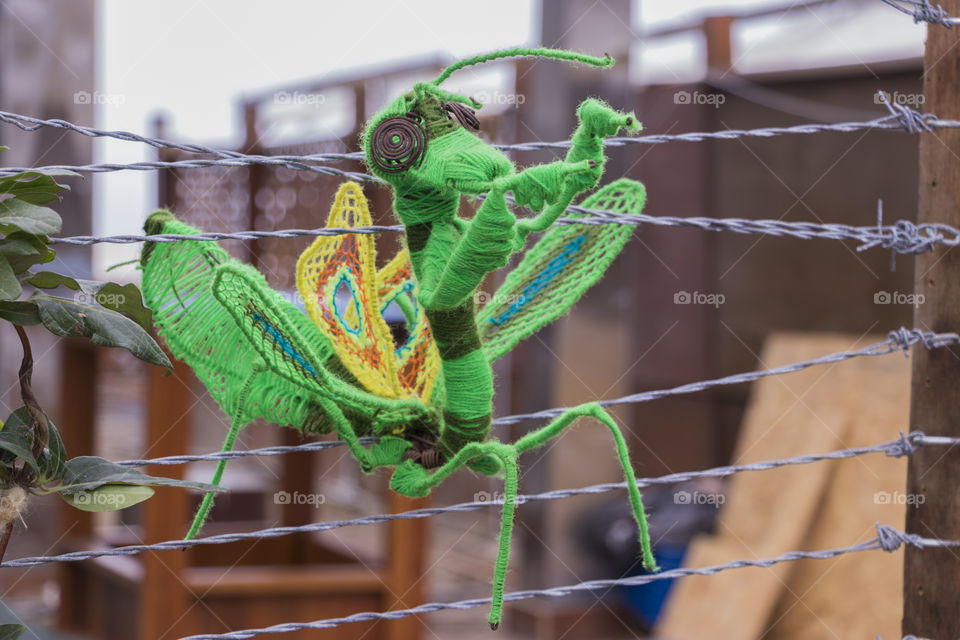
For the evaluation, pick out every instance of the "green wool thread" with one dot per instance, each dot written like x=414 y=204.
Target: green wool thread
x=238 y=335
x=260 y=357
x=451 y=257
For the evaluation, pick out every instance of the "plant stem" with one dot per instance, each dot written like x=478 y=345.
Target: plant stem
x=38 y=421
x=5 y=539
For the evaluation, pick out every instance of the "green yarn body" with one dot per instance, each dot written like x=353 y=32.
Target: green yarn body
x=451 y=257
x=260 y=357
x=257 y=354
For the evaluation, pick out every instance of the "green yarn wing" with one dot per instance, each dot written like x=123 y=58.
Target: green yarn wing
x=184 y=284
x=556 y=271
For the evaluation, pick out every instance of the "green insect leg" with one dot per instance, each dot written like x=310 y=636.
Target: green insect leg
x=540 y=437
x=410 y=479
x=584 y=162
x=485 y=246
x=203 y=512
x=346 y=433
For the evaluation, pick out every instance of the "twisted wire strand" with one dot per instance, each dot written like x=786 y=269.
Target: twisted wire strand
x=215 y=456
x=28 y=123
x=923 y=11
x=902 y=237
x=904 y=446
x=887 y=539
x=899 y=117
x=901 y=339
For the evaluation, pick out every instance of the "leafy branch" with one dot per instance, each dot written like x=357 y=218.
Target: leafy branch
x=33 y=460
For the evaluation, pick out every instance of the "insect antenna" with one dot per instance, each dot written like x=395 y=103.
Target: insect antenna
x=523 y=52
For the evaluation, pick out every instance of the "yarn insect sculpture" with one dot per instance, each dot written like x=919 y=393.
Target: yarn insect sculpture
x=428 y=397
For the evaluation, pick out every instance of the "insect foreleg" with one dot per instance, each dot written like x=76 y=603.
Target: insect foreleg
x=539 y=437
x=485 y=246
x=597 y=121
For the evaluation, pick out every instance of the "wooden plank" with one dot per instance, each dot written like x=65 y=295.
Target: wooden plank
x=75 y=420
x=406 y=552
x=931 y=589
x=856 y=595
x=767 y=513
x=164 y=597
x=327 y=582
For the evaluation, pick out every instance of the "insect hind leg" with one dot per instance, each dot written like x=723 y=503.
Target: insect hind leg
x=203 y=512
x=540 y=437
x=411 y=479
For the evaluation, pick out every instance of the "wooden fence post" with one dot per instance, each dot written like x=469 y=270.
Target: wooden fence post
x=931 y=588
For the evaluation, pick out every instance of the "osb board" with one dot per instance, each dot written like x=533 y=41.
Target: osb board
x=766 y=513
x=591 y=358
x=856 y=595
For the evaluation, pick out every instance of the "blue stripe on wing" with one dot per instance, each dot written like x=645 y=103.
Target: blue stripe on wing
x=282 y=342
x=553 y=269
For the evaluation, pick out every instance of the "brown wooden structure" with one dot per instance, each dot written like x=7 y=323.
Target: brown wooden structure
x=769 y=284
x=217 y=588
x=930 y=586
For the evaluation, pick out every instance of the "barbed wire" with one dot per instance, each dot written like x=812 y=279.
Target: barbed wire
x=297 y=163
x=887 y=539
x=247 y=453
x=28 y=123
x=901 y=339
x=899 y=117
x=902 y=237
x=923 y=11
x=904 y=446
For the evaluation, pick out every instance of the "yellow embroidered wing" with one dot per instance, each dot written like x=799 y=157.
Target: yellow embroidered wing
x=417 y=358
x=337 y=278
x=346 y=298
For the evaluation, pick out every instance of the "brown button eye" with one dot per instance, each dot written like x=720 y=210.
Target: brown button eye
x=466 y=116
x=397 y=144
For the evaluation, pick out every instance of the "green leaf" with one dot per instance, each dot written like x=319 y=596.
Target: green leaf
x=35 y=187
x=19 y=215
x=16 y=443
x=85 y=473
x=24 y=313
x=104 y=327
x=50 y=462
x=122 y=298
x=53 y=457
x=109 y=497
x=24 y=250
x=10 y=288
x=11 y=631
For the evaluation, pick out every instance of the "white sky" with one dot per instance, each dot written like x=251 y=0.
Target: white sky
x=192 y=59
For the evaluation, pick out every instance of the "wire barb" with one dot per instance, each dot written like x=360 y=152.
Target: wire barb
x=923 y=11
x=892 y=447
x=887 y=539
